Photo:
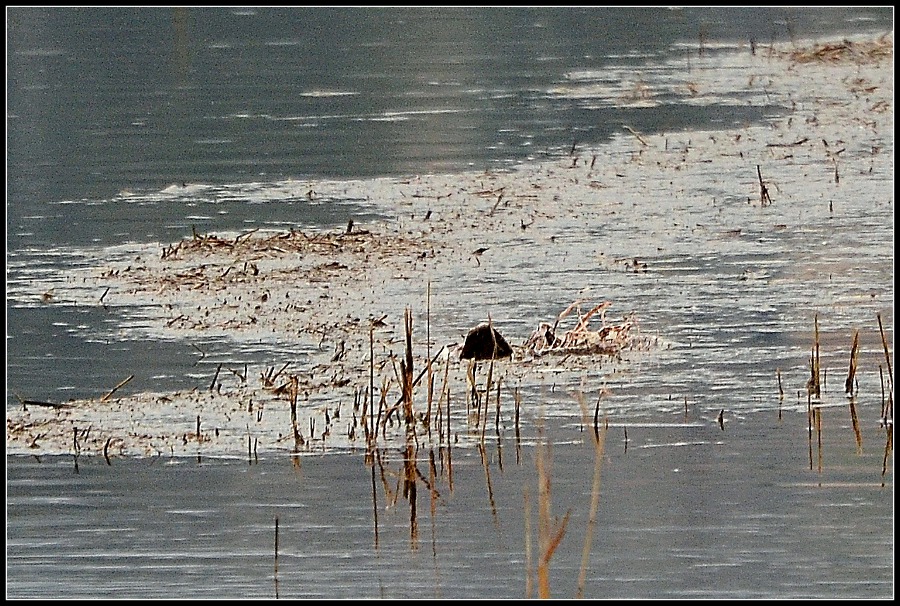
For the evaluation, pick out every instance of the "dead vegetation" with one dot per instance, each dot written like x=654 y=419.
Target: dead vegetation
x=846 y=51
x=253 y=245
x=608 y=339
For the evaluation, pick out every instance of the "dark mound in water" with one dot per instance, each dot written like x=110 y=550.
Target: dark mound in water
x=481 y=344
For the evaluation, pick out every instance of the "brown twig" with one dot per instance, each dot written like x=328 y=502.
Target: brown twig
x=116 y=388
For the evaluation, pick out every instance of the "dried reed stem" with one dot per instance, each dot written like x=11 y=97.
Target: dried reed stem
x=294 y=391
x=428 y=355
x=410 y=492
x=487 y=386
x=854 y=419
x=813 y=385
x=890 y=377
x=122 y=383
x=599 y=444
x=809 y=424
x=764 y=198
x=497 y=416
x=487 y=478
x=854 y=355
x=276 y=545
x=529 y=581
x=406 y=367
x=550 y=535
x=373 y=432
x=818 y=414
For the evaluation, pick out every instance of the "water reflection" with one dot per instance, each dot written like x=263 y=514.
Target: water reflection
x=355 y=525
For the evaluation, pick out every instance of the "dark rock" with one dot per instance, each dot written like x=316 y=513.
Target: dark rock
x=480 y=344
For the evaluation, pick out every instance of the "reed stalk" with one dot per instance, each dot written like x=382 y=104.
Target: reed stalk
x=497 y=415
x=889 y=407
x=809 y=424
x=813 y=385
x=410 y=492
x=275 y=572
x=430 y=379
x=851 y=373
x=550 y=535
x=818 y=413
x=374 y=504
x=599 y=444
x=406 y=367
x=529 y=580
x=487 y=478
x=487 y=386
x=372 y=433
x=854 y=419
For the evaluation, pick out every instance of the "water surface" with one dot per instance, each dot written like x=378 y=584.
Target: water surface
x=131 y=126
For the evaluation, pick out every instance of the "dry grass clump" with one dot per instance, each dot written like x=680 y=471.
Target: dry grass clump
x=249 y=245
x=608 y=339
x=846 y=52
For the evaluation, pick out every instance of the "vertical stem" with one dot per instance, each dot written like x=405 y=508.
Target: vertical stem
x=528 y=571
x=592 y=516
x=374 y=430
x=428 y=353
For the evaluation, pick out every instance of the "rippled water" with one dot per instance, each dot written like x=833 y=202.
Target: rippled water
x=131 y=127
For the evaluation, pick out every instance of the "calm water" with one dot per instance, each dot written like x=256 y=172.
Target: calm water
x=681 y=516
x=105 y=101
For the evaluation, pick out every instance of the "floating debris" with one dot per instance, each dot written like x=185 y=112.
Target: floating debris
x=609 y=339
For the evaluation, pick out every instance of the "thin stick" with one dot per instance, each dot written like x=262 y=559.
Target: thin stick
x=116 y=388
x=24 y=402
x=215 y=377
x=637 y=135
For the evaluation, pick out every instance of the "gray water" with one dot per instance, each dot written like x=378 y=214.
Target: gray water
x=102 y=101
